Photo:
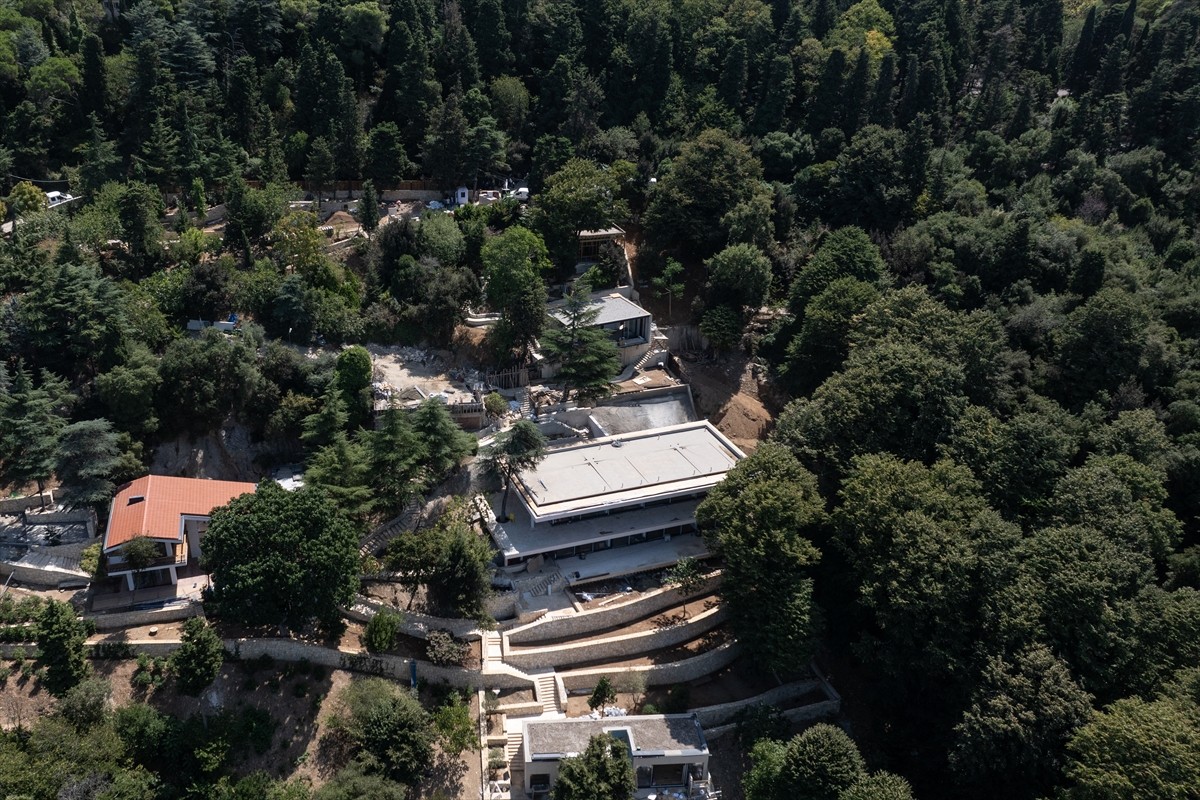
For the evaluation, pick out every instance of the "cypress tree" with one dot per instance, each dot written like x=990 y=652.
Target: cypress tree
x=1080 y=72
x=857 y=93
x=881 y=98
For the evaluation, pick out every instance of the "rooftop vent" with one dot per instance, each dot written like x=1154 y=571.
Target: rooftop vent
x=137 y=498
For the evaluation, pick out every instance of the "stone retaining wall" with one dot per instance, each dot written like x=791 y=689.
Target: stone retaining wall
x=157 y=616
x=826 y=709
x=33 y=576
x=689 y=669
x=86 y=516
x=617 y=647
x=712 y=716
x=16 y=505
x=382 y=665
x=414 y=624
x=522 y=709
x=598 y=619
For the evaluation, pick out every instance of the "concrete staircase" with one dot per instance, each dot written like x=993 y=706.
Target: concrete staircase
x=543 y=584
x=493 y=650
x=377 y=539
x=526 y=404
x=546 y=693
x=513 y=747
x=645 y=359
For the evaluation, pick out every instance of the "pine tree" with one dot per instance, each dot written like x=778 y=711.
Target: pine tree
x=61 y=638
x=587 y=355
x=396 y=456
x=32 y=418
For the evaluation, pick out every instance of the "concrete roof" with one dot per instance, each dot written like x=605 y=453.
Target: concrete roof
x=153 y=505
x=651 y=735
x=612 y=307
x=616 y=471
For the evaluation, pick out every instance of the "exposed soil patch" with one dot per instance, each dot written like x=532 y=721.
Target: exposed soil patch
x=726 y=392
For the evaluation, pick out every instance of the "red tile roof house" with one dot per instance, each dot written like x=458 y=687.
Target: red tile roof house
x=174 y=513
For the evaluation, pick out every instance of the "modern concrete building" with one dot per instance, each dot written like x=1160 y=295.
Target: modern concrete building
x=591 y=243
x=630 y=325
x=669 y=753
x=614 y=491
x=171 y=512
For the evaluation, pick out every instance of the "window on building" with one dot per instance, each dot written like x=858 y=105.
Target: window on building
x=668 y=774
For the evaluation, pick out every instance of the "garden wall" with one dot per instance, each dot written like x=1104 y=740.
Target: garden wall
x=599 y=619
x=34 y=576
x=86 y=516
x=618 y=647
x=382 y=665
x=156 y=616
x=414 y=624
x=711 y=716
x=689 y=669
x=16 y=505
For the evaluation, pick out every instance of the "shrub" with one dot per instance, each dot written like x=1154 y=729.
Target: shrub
x=382 y=631
x=84 y=705
x=443 y=649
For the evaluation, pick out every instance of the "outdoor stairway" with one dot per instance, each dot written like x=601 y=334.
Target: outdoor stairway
x=512 y=748
x=493 y=652
x=542 y=585
x=526 y=404
x=377 y=539
x=645 y=359
x=546 y=692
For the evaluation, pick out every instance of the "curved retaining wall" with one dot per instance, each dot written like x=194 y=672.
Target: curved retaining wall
x=599 y=619
x=414 y=623
x=689 y=669
x=618 y=647
x=711 y=716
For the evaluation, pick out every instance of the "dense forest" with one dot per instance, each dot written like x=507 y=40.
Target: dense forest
x=960 y=237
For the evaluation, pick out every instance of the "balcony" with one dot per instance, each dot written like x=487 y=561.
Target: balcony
x=178 y=558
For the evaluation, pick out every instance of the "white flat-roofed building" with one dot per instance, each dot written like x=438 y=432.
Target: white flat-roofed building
x=669 y=752
x=615 y=491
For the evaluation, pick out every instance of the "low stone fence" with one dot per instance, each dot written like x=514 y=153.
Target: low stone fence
x=87 y=516
x=17 y=505
x=622 y=646
x=522 y=709
x=599 y=619
x=382 y=665
x=155 y=616
x=688 y=669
